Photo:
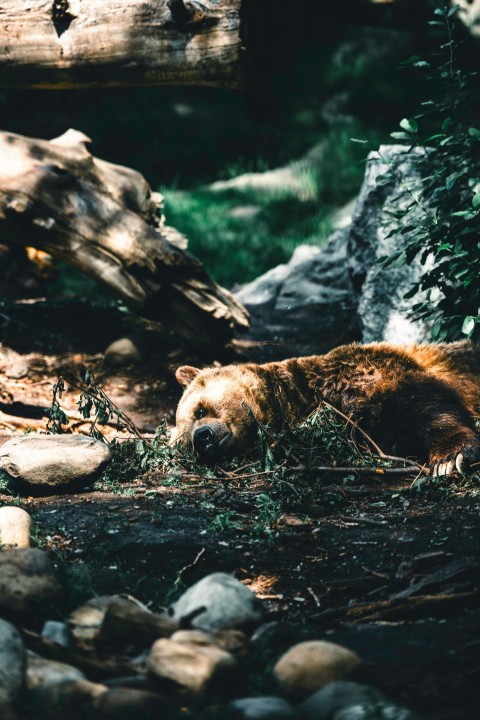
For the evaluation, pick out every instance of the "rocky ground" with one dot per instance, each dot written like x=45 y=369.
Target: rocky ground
x=367 y=563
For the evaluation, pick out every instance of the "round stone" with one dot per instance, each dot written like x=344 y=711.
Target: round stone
x=310 y=665
x=15 y=526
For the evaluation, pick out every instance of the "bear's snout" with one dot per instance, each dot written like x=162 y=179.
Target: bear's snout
x=209 y=440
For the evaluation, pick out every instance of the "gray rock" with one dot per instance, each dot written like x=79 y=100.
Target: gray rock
x=53 y=462
x=351 y=701
x=12 y=664
x=308 y=303
x=338 y=293
x=192 y=669
x=228 y=604
x=58 y=632
x=309 y=666
x=15 y=525
x=124 y=351
x=262 y=708
x=383 y=312
x=27 y=579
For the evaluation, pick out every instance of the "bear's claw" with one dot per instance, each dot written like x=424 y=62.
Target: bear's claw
x=448 y=467
x=458 y=462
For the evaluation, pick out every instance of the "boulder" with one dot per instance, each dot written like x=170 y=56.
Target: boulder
x=12 y=664
x=15 y=526
x=309 y=666
x=351 y=701
x=227 y=602
x=383 y=312
x=308 y=303
x=27 y=580
x=194 y=670
x=338 y=293
x=52 y=463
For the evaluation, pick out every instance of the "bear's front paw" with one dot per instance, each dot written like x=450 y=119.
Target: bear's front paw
x=459 y=461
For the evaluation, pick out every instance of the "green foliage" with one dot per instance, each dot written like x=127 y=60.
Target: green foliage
x=441 y=222
x=324 y=438
x=241 y=231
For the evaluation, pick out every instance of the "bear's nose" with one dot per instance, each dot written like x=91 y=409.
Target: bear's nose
x=203 y=440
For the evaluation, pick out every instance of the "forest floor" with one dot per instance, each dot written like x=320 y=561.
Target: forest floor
x=389 y=571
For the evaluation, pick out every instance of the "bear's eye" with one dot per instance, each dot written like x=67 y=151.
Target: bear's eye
x=200 y=412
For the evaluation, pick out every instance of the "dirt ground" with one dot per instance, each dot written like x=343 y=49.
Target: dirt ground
x=389 y=571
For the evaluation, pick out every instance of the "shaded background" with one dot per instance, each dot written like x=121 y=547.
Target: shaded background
x=319 y=74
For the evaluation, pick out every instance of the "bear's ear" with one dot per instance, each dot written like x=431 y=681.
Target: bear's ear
x=186 y=374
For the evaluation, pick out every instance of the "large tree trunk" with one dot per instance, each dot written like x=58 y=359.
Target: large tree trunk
x=104 y=220
x=87 y=43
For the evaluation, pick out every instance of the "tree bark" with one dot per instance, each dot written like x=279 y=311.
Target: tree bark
x=103 y=219
x=60 y=44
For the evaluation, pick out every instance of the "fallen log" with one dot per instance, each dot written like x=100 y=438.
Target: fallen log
x=105 y=220
x=90 y=43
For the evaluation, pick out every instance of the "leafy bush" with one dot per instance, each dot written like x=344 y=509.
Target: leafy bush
x=441 y=223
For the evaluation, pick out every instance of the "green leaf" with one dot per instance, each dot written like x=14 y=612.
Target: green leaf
x=269 y=461
x=468 y=325
x=453 y=10
x=400 y=136
x=446 y=124
x=434 y=137
x=476 y=200
x=400 y=260
x=409 y=124
x=467 y=214
x=410 y=294
x=474 y=132
x=413 y=60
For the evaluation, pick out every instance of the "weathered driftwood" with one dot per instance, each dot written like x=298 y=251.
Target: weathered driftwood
x=104 y=219
x=88 y=43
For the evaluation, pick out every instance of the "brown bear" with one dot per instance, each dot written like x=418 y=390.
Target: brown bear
x=417 y=401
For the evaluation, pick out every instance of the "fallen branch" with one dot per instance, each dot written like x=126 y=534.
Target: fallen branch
x=104 y=219
x=334 y=470
x=400 y=609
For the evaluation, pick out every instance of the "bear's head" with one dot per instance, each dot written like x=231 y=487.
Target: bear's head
x=217 y=410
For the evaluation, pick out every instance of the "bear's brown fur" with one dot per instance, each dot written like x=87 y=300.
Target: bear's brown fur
x=417 y=400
